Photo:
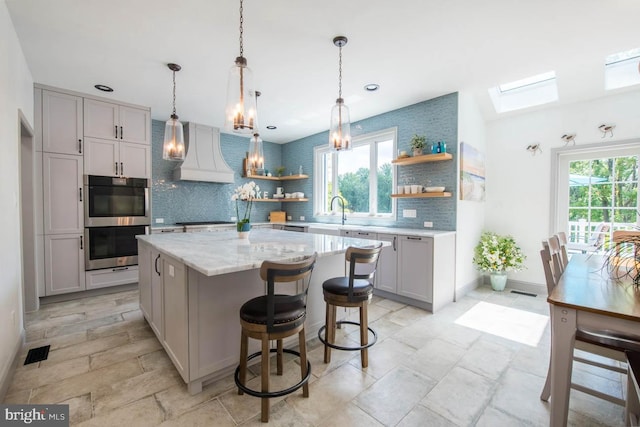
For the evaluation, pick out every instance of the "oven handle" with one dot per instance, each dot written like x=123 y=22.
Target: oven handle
x=120 y=269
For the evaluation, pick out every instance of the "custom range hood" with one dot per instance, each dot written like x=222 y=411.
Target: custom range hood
x=204 y=161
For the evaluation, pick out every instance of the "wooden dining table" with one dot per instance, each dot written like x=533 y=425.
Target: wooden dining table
x=587 y=296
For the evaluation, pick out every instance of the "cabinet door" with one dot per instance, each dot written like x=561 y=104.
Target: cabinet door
x=64 y=263
x=101 y=157
x=135 y=160
x=157 y=319
x=100 y=119
x=176 y=315
x=387 y=274
x=415 y=263
x=62 y=188
x=145 y=270
x=135 y=125
x=61 y=123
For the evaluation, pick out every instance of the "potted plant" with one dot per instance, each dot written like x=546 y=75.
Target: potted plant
x=280 y=170
x=498 y=255
x=245 y=193
x=417 y=144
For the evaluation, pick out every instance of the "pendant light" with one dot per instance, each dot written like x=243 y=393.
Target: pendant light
x=173 y=147
x=340 y=128
x=256 y=152
x=241 y=112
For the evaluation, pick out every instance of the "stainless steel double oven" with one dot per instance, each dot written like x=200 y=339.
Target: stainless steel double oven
x=115 y=211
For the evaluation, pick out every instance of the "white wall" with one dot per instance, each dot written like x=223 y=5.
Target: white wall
x=16 y=92
x=518 y=184
x=470 y=215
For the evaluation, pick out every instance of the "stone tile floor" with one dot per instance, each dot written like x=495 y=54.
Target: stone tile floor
x=426 y=369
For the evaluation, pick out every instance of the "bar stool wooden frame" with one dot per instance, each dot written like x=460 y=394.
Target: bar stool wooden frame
x=348 y=298
x=272 y=326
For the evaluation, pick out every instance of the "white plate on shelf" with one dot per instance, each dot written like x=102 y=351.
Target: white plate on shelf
x=434 y=189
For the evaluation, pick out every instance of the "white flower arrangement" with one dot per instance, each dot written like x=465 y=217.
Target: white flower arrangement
x=246 y=193
x=497 y=254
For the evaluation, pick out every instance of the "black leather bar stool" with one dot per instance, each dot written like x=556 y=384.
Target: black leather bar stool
x=274 y=317
x=356 y=290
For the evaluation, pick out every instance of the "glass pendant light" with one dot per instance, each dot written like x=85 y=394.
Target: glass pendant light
x=173 y=147
x=241 y=114
x=340 y=128
x=256 y=152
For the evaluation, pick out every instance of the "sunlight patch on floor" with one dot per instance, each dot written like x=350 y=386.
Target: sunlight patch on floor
x=511 y=323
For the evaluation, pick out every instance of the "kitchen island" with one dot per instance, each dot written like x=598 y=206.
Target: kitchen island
x=192 y=286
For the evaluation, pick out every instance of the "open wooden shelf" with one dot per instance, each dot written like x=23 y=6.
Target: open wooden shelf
x=423 y=159
x=421 y=195
x=281 y=200
x=278 y=178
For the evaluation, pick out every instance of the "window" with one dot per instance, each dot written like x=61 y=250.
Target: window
x=597 y=187
x=363 y=176
x=527 y=92
x=621 y=69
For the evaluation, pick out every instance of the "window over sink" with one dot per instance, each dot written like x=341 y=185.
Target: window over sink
x=364 y=176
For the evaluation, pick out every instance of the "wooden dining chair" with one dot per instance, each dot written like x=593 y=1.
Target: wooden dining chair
x=562 y=239
x=555 y=251
x=589 y=341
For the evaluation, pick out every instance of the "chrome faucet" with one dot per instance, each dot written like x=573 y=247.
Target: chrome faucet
x=344 y=218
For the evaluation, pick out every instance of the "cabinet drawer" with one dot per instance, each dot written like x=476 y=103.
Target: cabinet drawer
x=111 y=277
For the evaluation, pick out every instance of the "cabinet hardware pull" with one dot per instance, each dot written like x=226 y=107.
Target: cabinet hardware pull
x=80 y=193
x=121 y=169
x=121 y=132
x=120 y=269
x=80 y=146
x=116 y=131
x=156 y=264
x=394 y=243
x=81 y=243
x=167 y=231
x=116 y=168
x=414 y=238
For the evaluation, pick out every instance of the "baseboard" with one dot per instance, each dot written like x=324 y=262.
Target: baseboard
x=89 y=293
x=465 y=289
x=532 y=288
x=7 y=376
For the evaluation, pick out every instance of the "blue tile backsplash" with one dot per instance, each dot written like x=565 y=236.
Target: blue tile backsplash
x=177 y=201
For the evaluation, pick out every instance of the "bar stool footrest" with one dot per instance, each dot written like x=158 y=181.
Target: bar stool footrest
x=277 y=393
x=339 y=347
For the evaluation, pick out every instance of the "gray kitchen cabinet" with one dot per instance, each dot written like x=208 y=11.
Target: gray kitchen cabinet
x=110 y=121
x=61 y=123
x=64 y=263
x=62 y=194
x=176 y=314
x=103 y=278
x=115 y=158
x=387 y=274
x=150 y=287
x=415 y=265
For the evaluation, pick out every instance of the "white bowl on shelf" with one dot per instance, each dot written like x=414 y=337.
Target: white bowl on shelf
x=434 y=189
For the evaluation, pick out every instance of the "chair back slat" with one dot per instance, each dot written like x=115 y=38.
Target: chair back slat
x=550 y=275
x=556 y=256
x=562 y=238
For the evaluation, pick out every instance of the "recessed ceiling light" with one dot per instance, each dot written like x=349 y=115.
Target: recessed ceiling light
x=271 y=127
x=371 y=87
x=104 y=88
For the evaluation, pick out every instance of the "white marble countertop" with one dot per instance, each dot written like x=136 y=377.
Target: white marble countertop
x=224 y=252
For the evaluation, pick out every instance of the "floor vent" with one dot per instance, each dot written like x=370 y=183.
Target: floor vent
x=37 y=354
x=524 y=293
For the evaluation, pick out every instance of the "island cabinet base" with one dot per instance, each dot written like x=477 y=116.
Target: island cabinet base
x=201 y=324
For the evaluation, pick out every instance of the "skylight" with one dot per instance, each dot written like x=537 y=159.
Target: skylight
x=528 y=92
x=621 y=69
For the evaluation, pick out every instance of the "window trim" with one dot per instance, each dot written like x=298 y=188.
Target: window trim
x=319 y=180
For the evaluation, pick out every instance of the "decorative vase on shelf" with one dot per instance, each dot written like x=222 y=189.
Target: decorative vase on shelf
x=243 y=229
x=498 y=280
x=417 y=152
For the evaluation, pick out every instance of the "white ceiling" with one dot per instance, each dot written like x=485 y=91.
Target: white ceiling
x=414 y=49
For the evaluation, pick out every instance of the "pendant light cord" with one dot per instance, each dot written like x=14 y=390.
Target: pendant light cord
x=174 y=93
x=241 y=29
x=340 y=73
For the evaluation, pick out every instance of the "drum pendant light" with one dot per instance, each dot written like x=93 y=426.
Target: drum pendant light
x=340 y=128
x=173 y=147
x=256 y=152
x=240 y=111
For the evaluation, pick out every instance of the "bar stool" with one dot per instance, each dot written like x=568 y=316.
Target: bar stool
x=355 y=290
x=274 y=317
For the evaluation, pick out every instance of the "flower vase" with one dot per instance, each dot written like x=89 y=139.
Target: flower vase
x=243 y=229
x=498 y=281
